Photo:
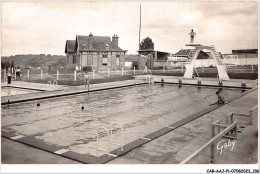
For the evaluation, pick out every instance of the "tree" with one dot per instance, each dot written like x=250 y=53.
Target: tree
x=147 y=43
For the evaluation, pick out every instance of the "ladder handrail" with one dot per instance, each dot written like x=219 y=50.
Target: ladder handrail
x=55 y=84
x=49 y=82
x=122 y=135
x=108 y=147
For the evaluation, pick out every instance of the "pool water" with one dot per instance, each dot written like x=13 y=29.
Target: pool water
x=139 y=109
x=7 y=91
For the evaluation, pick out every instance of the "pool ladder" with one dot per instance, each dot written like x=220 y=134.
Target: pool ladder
x=53 y=86
x=109 y=139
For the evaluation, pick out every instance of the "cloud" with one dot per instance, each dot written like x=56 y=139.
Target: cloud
x=44 y=27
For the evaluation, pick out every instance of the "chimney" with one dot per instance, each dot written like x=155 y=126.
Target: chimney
x=115 y=40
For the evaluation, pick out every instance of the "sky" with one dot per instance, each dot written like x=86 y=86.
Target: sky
x=44 y=27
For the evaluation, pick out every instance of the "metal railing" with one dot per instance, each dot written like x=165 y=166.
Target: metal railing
x=49 y=85
x=55 y=85
x=230 y=116
x=122 y=136
x=110 y=140
x=108 y=143
x=227 y=128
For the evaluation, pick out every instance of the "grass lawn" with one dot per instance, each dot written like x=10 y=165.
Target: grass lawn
x=81 y=82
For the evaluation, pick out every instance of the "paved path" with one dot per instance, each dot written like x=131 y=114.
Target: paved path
x=31 y=85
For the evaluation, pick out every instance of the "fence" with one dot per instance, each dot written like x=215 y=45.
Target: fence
x=38 y=74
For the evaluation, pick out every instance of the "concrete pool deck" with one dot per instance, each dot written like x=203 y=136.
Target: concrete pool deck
x=154 y=135
x=208 y=82
x=140 y=79
x=65 y=90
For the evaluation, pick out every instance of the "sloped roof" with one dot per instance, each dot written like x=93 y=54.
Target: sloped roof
x=187 y=52
x=96 y=43
x=70 y=46
x=184 y=52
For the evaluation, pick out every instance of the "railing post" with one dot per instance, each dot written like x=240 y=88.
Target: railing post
x=28 y=73
x=251 y=117
x=108 y=72
x=12 y=70
x=41 y=73
x=182 y=68
x=15 y=74
x=163 y=69
x=57 y=75
x=93 y=74
x=227 y=119
x=75 y=75
x=122 y=71
x=212 y=156
x=134 y=69
x=235 y=131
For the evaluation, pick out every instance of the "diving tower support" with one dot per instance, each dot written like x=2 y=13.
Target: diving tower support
x=221 y=67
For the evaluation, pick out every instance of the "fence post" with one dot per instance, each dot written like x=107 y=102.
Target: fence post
x=75 y=75
x=122 y=71
x=134 y=69
x=41 y=73
x=107 y=72
x=28 y=73
x=57 y=75
x=5 y=73
x=212 y=156
x=93 y=74
x=12 y=70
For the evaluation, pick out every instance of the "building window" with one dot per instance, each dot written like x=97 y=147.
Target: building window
x=117 y=59
x=104 y=59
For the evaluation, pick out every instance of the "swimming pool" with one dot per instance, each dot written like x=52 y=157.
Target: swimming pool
x=8 y=91
x=139 y=109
